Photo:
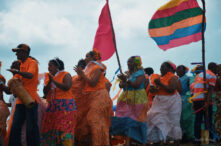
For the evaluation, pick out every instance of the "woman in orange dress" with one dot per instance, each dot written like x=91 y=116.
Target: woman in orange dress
x=4 y=112
x=77 y=83
x=60 y=118
x=93 y=119
x=163 y=118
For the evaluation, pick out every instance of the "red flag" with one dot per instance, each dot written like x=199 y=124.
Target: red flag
x=104 y=40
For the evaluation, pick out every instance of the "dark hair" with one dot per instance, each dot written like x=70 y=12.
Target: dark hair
x=169 y=66
x=149 y=70
x=95 y=55
x=81 y=63
x=181 y=66
x=212 y=66
x=59 y=63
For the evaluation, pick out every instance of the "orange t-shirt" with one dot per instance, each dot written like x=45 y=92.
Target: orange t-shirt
x=30 y=66
x=59 y=93
x=89 y=71
x=165 y=80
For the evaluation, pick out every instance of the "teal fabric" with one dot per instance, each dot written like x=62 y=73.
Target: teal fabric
x=128 y=127
x=187 y=115
x=187 y=118
x=133 y=79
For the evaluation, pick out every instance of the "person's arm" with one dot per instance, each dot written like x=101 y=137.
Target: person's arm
x=122 y=84
x=146 y=83
x=93 y=80
x=137 y=83
x=47 y=88
x=153 y=89
x=179 y=87
x=67 y=83
x=172 y=86
x=5 y=89
x=27 y=75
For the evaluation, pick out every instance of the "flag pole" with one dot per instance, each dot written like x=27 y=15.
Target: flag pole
x=204 y=75
x=114 y=40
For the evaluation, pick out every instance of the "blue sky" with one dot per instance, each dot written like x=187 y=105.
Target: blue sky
x=66 y=29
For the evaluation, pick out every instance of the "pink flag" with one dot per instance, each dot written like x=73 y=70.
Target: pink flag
x=104 y=41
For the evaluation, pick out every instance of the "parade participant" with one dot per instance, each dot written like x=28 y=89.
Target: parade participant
x=77 y=83
x=6 y=89
x=187 y=113
x=93 y=121
x=12 y=100
x=148 y=72
x=132 y=104
x=4 y=111
x=151 y=83
x=41 y=110
x=28 y=74
x=163 y=118
x=199 y=101
x=60 y=118
x=217 y=100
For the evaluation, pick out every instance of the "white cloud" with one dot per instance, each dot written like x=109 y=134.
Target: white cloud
x=131 y=17
x=34 y=21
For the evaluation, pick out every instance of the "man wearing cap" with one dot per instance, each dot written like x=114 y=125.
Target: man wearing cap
x=28 y=74
x=203 y=101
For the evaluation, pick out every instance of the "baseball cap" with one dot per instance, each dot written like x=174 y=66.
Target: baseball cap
x=23 y=47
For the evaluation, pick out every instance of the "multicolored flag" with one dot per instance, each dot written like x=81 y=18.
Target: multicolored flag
x=178 y=22
x=104 y=41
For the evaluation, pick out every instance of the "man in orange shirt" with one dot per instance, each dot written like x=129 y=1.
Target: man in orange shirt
x=28 y=74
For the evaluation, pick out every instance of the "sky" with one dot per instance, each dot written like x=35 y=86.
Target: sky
x=66 y=29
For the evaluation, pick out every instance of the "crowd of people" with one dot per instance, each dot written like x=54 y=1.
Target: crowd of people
x=78 y=110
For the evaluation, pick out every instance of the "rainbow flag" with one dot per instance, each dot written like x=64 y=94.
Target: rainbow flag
x=178 y=22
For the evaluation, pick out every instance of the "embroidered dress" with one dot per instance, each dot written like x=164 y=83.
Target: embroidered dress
x=131 y=109
x=58 y=126
x=93 y=120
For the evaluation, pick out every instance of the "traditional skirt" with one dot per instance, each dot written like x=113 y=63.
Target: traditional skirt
x=131 y=110
x=93 y=120
x=163 y=118
x=4 y=113
x=59 y=122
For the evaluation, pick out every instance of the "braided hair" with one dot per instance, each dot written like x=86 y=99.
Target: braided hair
x=59 y=63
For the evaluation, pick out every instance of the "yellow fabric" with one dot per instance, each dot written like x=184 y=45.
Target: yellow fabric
x=115 y=83
x=191 y=98
x=134 y=97
x=171 y=4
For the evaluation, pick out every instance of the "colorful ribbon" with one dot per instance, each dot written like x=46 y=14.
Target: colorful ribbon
x=197 y=94
x=115 y=74
x=116 y=96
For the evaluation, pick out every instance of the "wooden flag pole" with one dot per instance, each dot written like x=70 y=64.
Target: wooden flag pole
x=206 y=140
x=114 y=40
